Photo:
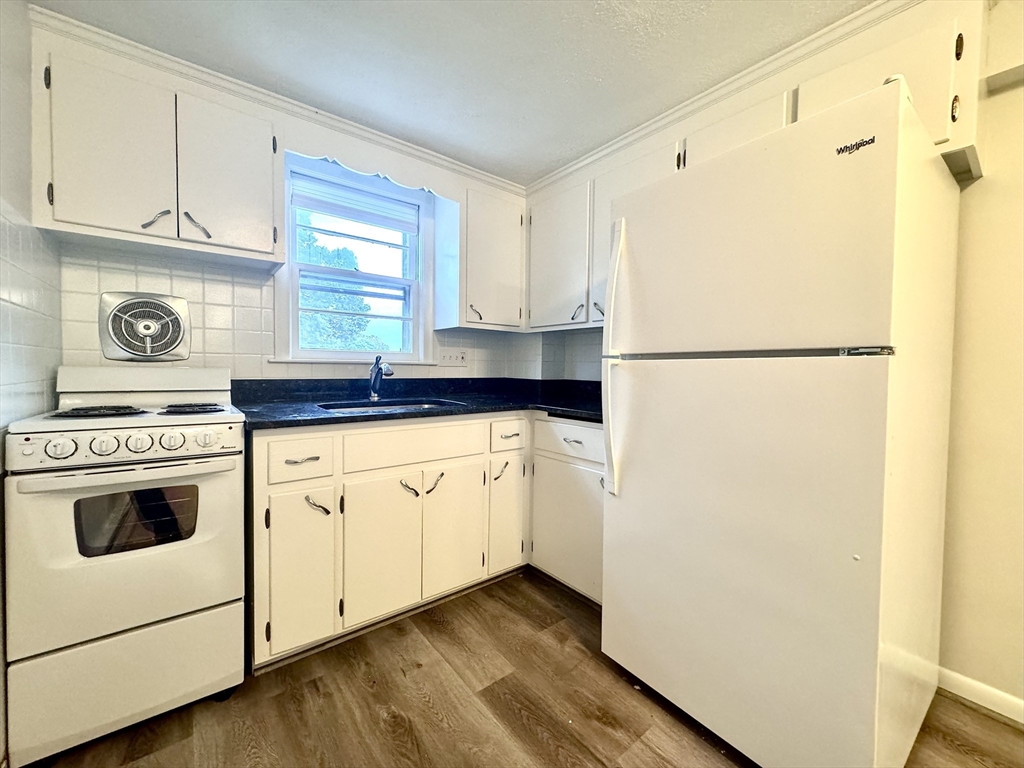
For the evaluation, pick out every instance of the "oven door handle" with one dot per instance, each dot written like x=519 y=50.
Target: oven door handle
x=117 y=477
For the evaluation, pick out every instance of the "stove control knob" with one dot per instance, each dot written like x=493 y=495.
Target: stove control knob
x=172 y=441
x=206 y=438
x=61 y=448
x=139 y=442
x=104 y=445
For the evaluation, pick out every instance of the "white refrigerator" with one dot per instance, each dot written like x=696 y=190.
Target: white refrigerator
x=776 y=378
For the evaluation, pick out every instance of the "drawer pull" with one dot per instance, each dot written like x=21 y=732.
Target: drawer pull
x=409 y=488
x=314 y=505
x=572 y=441
x=301 y=461
x=498 y=476
x=510 y=436
x=436 y=482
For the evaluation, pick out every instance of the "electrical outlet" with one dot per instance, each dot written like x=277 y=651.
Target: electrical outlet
x=453 y=358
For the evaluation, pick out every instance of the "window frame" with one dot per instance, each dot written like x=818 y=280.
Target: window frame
x=420 y=287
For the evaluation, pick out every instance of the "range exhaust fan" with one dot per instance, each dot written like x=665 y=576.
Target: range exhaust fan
x=144 y=327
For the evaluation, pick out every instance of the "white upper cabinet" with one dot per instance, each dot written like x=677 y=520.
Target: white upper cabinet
x=494 y=260
x=559 y=257
x=617 y=182
x=113 y=149
x=225 y=176
x=736 y=130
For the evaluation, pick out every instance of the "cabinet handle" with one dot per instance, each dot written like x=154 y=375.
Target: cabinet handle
x=436 y=482
x=153 y=221
x=580 y=307
x=602 y=482
x=572 y=441
x=510 y=436
x=198 y=226
x=314 y=505
x=302 y=461
x=498 y=476
x=477 y=312
x=598 y=308
x=409 y=488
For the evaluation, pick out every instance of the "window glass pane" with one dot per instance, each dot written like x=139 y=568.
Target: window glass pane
x=351 y=333
x=127 y=520
x=349 y=227
x=389 y=258
x=318 y=291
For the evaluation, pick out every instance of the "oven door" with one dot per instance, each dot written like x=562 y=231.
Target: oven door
x=96 y=552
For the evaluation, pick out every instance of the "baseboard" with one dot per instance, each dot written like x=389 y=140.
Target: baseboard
x=986 y=696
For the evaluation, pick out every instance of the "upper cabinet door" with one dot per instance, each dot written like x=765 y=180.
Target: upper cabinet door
x=736 y=130
x=225 y=176
x=615 y=183
x=559 y=251
x=113 y=150
x=494 y=260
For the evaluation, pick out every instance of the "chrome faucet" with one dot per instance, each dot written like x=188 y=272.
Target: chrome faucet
x=377 y=371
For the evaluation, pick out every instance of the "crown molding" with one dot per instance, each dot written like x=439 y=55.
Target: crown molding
x=42 y=18
x=845 y=28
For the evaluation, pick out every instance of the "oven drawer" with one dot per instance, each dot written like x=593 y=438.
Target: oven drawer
x=394 y=448
x=569 y=440
x=300 y=459
x=508 y=434
x=66 y=698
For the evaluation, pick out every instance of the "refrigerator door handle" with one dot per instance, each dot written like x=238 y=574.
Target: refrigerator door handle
x=611 y=472
x=618 y=248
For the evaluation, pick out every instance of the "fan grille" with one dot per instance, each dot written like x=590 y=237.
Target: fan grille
x=145 y=327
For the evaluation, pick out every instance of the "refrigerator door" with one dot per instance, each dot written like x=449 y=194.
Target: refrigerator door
x=783 y=243
x=741 y=552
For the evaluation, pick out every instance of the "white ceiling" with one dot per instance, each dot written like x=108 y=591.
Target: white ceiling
x=518 y=88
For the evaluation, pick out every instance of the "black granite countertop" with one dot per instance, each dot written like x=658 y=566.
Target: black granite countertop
x=279 y=403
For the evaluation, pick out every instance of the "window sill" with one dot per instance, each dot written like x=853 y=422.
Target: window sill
x=342 y=361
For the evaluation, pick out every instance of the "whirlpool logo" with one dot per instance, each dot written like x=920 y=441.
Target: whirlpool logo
x=849 y=149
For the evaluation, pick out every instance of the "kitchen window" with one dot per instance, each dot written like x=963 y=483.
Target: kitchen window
x=357 y=252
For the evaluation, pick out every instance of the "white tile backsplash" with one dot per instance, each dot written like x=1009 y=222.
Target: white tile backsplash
x=574 y=354
x=30 y=320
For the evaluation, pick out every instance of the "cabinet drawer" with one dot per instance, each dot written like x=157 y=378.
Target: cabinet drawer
x=412 y=446
x=508 y=435
x=300 y=459
x=569 y=440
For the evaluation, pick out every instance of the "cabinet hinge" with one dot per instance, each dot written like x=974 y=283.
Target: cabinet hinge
x=485 y=477
x=684 y=158
x=275 y=234
x=266 y=518
x=482 y=560
x=679 y=160
x=531 y=219
x=46 y=77
x=341 y=505
x=520 y=313
x=520 y=219
x=341 y=607
x=531 y=547
x=533 y=469
x=267 y=631
x=49 y=193
x=522 y=546
x=274 y=144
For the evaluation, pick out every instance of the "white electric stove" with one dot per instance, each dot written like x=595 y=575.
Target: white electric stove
x=124 y=553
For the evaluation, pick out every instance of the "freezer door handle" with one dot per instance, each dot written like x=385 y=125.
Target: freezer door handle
x=611 y=469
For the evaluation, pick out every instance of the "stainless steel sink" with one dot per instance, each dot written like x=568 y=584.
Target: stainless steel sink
x=389 y=405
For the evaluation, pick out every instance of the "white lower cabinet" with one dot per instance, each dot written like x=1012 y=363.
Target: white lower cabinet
x=383 y=522
x=301 y=533
x=568 y=508
x=454 y=516
x=505 y=526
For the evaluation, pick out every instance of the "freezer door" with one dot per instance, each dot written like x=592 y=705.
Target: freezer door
x=783 y=243
x=741 y=552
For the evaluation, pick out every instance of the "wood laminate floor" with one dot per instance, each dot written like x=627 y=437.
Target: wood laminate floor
x=508 y=675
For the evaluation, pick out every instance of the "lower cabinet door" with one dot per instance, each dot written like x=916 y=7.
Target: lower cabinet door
x=453 y=527
x=568 y=518
x=505 y=531
x=301 y=567
x=383 y=545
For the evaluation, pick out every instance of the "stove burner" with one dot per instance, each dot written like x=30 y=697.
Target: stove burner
x=180 y=408
x=90 y=411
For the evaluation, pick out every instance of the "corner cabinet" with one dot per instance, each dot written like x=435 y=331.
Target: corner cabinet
x=559 y=259
x=353 y=524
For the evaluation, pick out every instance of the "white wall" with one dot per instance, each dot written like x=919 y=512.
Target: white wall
x=232 y=312
x=574 y=354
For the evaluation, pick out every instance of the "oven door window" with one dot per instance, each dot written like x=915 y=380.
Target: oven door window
x=127 y=520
